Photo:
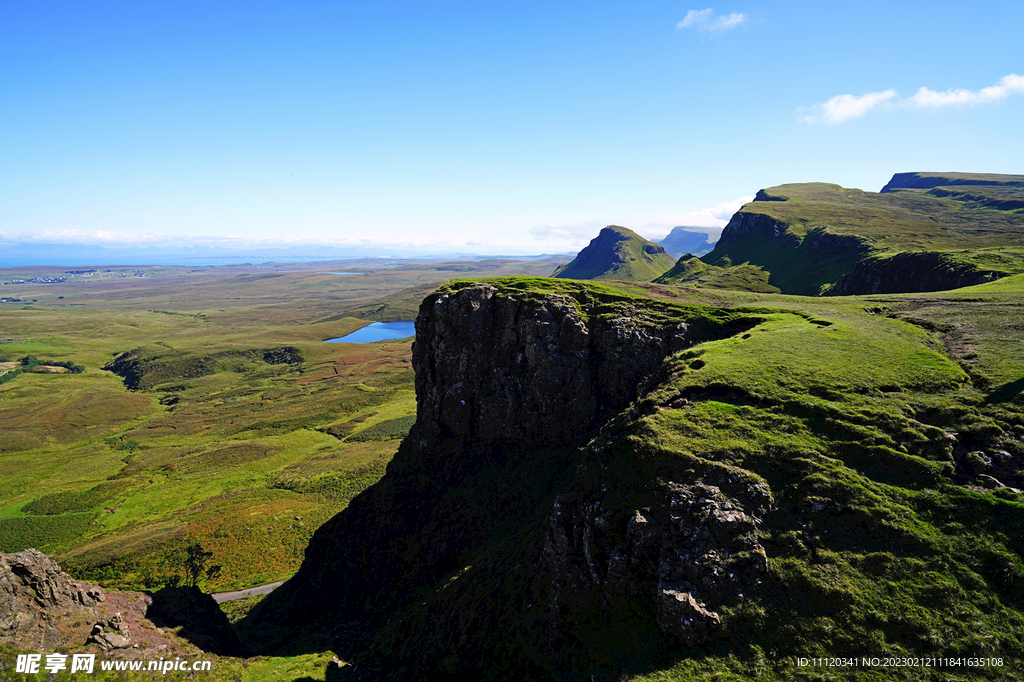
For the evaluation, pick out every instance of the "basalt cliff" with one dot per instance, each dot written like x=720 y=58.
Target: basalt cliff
x=601 y=485
x=922 y=232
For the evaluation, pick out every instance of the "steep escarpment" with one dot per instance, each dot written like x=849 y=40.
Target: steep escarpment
x=510 y=380
x=929 y=181
x=601 y=486
x=913 y=272
x=923 y=232
x=760 y=252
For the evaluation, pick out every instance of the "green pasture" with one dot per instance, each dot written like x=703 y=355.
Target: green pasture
x=219 y=438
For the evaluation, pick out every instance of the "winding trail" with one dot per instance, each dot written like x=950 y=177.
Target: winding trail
x=221 y=597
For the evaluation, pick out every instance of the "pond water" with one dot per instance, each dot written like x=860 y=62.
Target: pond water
x=378 y=331
x=343 y=273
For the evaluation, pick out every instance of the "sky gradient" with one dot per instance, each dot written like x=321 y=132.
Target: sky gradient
x=479 y=126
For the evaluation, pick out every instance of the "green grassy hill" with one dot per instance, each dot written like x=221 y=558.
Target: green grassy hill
x=618 y=253
x=924 y=232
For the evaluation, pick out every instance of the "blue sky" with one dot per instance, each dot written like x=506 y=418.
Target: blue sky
x=479 y=126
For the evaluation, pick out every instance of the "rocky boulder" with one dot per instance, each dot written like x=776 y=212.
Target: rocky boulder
x=43 y=609
x=38 y=601
x=200 y=619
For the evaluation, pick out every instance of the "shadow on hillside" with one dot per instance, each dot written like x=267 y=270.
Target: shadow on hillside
x=1006 y=392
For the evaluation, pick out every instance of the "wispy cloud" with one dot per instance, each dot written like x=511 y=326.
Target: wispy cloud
x=107 y=238
x=845 y=107
x=1008 y=85
x=710 y=220
x=576 y=234
x=706 y=21
x=714 y=218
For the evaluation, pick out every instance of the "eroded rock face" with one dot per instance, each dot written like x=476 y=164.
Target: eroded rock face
x=746 y=226
x=35 y=595
x=907 y=272
x=691 y=552
x=494 y=368
x=501 y=380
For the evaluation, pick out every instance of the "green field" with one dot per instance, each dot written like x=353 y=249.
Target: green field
x=229 y=420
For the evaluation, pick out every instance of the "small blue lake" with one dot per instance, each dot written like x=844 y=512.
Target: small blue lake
x=343 y=273
x=378 y=331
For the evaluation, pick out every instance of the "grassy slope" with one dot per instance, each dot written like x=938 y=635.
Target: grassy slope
x=883 y=541
x=853 y=415
x=620 y=254
x=966 y=227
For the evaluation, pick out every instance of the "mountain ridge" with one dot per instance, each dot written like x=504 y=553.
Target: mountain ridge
x=926 y=232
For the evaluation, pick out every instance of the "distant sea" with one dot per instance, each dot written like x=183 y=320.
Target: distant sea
x=96 y=261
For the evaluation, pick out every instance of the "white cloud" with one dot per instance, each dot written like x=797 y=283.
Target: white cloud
x=85 y=237
x=713 y=219
x=1008 y=85
x=576 y=234
x=844 y=107
x=705 y=21
x=710 y=220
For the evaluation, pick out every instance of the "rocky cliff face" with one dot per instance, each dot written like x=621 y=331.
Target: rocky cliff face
x=37 y=602
x=495 y=368
x=693 y=549
x=746 y=227
x=743 y=227
x=509 y=384
x=910 y=272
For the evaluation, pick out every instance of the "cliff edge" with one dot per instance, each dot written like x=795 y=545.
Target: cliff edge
x=602 y=485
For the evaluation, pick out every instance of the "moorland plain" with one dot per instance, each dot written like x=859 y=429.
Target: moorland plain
x=231 y=421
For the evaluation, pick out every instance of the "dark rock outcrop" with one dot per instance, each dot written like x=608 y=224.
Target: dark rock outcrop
x=693 y=549
x=509 y=385
x=491 y=368
x=744 y=227
x=910 y=272
x=200 y=619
